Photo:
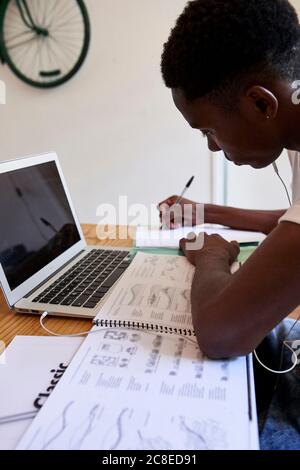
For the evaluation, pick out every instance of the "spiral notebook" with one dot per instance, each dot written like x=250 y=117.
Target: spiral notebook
x=154 y=294
x=132 y=387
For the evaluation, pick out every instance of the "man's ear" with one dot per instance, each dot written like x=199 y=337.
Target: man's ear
x=260 y=103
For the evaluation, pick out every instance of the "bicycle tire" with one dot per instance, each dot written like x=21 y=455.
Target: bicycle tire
x=85 y=47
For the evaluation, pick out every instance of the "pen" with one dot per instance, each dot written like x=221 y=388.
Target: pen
x=18 y=417
x=179 y=199
x=188 y=184
x=249 y=388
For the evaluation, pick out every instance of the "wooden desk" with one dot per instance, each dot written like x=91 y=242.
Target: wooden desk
x=12 y=324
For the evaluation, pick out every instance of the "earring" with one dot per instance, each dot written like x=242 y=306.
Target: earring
x=268 y=117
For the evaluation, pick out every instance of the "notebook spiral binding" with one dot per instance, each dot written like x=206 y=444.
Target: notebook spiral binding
x=143 y=326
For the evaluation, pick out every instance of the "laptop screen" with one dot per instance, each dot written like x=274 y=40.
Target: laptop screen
x=36 y=221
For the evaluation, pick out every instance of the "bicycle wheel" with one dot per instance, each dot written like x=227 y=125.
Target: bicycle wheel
x=44 y=42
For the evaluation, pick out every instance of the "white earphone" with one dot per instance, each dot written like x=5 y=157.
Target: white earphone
x=275 y=168
x=285 y=343
x=278 y=174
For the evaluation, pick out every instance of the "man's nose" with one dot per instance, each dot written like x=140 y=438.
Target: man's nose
x=213 y=147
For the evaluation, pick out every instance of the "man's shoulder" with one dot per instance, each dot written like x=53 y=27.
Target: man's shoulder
x=294 y=156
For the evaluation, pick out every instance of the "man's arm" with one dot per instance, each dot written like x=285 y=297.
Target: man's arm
x=242 y=219
x=239 y=219
x=233 y=313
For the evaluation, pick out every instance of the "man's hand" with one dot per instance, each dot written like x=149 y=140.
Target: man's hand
x=188 y=212
x=214 y=246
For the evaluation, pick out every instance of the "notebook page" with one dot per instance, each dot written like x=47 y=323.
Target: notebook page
x=140 y=390
x=146 y=238
x=155 y=289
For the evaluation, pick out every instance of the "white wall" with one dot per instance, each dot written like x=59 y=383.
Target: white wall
x=259 y=189
x=114 y=125
x=296 y=4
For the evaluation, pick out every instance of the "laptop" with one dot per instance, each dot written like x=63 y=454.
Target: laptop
x=45 y=263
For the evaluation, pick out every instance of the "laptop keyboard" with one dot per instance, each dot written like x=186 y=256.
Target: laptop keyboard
x=87 y=281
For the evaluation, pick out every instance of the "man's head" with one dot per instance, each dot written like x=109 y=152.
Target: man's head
x=231 y=65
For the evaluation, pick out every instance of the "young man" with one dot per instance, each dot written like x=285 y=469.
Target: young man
x=232 y=67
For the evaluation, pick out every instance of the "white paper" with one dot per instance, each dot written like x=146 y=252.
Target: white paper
x=254 y=436
x=132 y=389
x=25 y=376
x=146 y=238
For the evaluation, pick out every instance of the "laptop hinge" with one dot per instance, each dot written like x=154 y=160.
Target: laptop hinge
x=53 y=274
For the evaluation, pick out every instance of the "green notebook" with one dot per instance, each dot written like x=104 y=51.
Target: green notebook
x=245 y=253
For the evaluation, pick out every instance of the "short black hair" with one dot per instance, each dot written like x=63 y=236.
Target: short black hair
x=215 y=44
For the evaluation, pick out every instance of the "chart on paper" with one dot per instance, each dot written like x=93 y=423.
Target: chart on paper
x=156 y=290
x=138 y=390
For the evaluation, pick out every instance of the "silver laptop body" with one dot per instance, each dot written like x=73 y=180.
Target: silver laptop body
x=45 y=264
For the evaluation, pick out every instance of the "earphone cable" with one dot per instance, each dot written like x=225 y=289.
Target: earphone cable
x=284 y=342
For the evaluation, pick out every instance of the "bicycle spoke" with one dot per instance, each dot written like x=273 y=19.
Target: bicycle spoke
x=38 y=13
x=55 y=9
x=69 y=34
x=21 y=43
x=39 y=56
x=40 y=66
x=63 y=58
x=13 y=10
x=54 y=56
x=16 y=36
x=67 y=25
x=30 y=67
x=68 y=50
x=34 y=8
x=25 y=55
x=64 y=12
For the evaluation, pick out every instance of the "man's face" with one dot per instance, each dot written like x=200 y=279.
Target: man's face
x=243 y=138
